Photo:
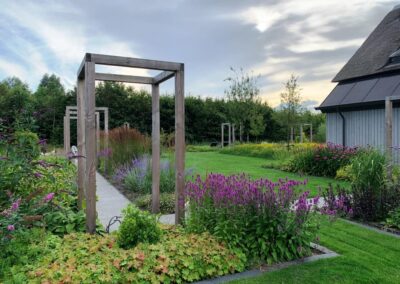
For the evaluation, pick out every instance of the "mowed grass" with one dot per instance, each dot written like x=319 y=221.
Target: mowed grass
x=214 y=162
x=365 y=257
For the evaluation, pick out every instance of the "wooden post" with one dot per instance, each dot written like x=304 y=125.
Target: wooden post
x=291 y=134
x=240 y=132
x=81 y=141
x=179 y=146
x=97 y=137
x=389 y=133
x=222 y=135
x=106 y=142
x=233 y=134
x=65 y=136
x=229 y=135
x=155 y=149
x=90 y=145
x=311 y=134
x=301 y=133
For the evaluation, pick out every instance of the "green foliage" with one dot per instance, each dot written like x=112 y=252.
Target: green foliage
x=393 y=219
x=320 y=136
x=368 y=185
x=65 y=222
x=201 y=148
x=26 y=145
x=344 y=173
x=167 y=202
x=137 y=176
x=137 y=227
x=125 y=144
x=322 y=160
x=275 y=151
x=248 y=215
x=178 y=258
x=23 y=250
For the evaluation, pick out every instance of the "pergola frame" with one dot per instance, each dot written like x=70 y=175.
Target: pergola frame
x=86 y=129
x=223 y=135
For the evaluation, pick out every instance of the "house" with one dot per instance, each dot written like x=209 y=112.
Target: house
x=355 y=109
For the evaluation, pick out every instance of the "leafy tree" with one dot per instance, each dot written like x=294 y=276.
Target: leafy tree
x=50 y=101
x=291 y=103
x=243 y=95
x=16 y=104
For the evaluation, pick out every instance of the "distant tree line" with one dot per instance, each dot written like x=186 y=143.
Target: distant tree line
x=43 y=110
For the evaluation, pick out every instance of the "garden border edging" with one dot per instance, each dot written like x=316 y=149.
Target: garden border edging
x=326 y=253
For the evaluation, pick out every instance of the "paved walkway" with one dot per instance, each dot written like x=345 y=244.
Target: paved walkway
x=111 y=202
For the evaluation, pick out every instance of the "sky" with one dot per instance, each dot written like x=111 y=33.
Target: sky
x=311 y=39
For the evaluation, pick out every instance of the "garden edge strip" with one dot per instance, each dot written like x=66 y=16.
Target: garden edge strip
x=326 y=253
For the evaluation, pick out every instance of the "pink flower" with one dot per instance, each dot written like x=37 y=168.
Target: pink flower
x=10 y=227
x=49 y=197
x=15 y=204
x=38 y=175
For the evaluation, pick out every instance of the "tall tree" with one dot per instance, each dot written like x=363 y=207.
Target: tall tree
x=50 y=101
x=243 y=94
x=291 y=103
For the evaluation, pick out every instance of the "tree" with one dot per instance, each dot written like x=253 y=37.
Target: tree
x=50 y=101
x=291 y=103
x=243 y=95
x=16 y=104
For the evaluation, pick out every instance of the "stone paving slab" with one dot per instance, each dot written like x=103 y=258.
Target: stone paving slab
x=110 y=201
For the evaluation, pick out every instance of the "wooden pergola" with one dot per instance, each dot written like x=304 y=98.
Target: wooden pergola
x=87 y=77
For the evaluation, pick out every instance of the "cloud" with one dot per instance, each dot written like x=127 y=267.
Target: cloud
x=312 y=39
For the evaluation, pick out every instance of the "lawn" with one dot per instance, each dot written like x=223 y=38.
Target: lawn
x=365 y=257
x=207 y=162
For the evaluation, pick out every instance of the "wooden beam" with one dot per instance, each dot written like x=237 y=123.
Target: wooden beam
x=97 y=137
x=179 y=147
x=81 y=141
x=106 y=142
x=155 y=149
x=90 y=145
x=65 y=136
x=389 y=133
x=163 y=76
x=123 y=78
x=133 y=62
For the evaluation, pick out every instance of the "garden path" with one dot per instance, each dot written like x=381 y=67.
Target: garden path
x=111 y=202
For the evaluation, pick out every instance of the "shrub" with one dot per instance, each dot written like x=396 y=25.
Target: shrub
x=178 y=258
x=344 y=173
x=322 y=160
x=167 y=202
x=137 y=227
x=277 y=151
x=393 y=219
x=337 y=202
x=125 y=144
x=137 y=176
x=368 y=187
x=255 y=216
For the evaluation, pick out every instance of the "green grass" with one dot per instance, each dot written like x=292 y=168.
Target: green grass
x=365 y=257
x=207 y=162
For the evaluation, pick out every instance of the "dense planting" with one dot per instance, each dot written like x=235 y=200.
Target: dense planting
x=269 y=221
x=324 y=160
x=178 y=257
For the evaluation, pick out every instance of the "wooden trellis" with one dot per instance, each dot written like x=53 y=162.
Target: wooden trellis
x=87 y=125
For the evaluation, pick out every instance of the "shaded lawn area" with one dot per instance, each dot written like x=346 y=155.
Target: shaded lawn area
x=207 y=162
x=365 y=257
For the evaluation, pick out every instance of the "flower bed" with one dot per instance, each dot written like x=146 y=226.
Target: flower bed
x=269 y=221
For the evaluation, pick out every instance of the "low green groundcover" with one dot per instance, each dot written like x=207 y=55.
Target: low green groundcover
x=178 y=257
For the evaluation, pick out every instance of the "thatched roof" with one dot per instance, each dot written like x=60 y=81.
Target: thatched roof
x=373 y=72
x=372 y=57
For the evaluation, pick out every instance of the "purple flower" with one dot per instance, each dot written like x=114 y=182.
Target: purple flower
x=15 y=205
x=49 y=197
x=42 y=142
x=10 y=227
x=38 y=175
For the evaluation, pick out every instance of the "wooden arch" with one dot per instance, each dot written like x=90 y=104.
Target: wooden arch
x=87 y=125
